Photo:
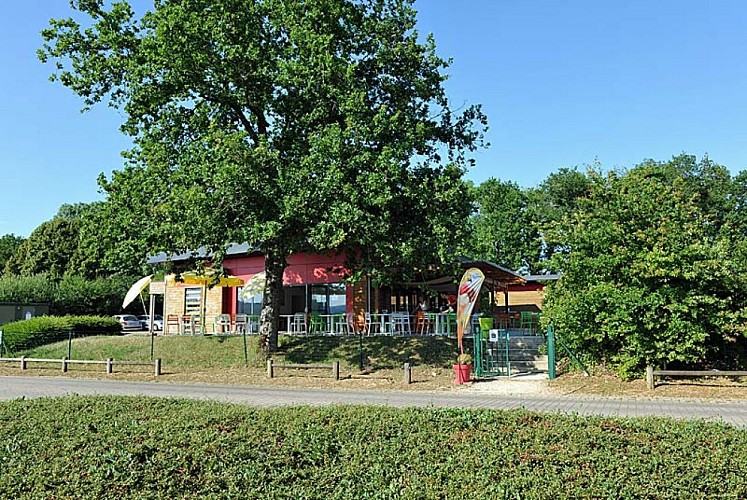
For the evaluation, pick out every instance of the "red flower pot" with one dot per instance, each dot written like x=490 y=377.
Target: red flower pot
x=463 y=373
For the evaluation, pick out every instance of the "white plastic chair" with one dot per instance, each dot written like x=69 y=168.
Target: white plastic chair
x=241 y=324
x=298 y=325
x=371 y=326
x=222 y=323
x=401 y=324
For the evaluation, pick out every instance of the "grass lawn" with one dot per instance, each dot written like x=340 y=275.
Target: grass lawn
x=107 y=447
x=220 y=359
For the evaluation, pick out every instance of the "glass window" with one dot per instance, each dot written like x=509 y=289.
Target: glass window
x=251 y=305
x=192 y=300
x=337 y=298
x=323 y=299
x=319 y=299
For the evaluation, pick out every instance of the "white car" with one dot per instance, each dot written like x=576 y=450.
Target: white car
x=128 y=322
x=157 y=322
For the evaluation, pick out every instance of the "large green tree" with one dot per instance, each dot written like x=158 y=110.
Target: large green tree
x=108 y=246
x=9 y=244
x=80 y=240
x=48 y=250
x=504 y=232
x=549 y=205
x=288 y=124
x=649 y=278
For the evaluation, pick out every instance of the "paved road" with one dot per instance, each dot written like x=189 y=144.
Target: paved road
x=734 y=412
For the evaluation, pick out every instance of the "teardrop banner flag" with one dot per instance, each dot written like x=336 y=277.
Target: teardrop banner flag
x=469 y=289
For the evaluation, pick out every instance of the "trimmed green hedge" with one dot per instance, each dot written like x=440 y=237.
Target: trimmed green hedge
x=27 y=289
x=100 y=447
x=71 y=295
x=76 y=295
x=30 y=333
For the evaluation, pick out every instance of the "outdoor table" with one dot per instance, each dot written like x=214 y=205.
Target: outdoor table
x=289 y=321
x=339 y=324
x=330 y=322
x=295 y=323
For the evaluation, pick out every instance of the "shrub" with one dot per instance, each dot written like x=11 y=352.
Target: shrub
x=135 y=447
x=27 y=289
x=71 y=295
x=464 y=359
x=30 y=333
x=76 y=295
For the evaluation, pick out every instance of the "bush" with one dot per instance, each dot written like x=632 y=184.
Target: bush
x=27 y=289
x=139 y=447
x=30 y=333
x=76 y=295
x=72 y=295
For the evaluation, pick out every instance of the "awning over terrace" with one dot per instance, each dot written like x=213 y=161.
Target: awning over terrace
x=497 y=278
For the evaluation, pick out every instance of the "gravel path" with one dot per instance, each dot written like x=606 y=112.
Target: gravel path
x=733 y=412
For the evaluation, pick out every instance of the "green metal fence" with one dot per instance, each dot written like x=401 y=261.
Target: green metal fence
x=491 y=355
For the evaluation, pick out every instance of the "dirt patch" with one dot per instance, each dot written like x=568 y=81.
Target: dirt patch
x=424 y=378
x=609 y=385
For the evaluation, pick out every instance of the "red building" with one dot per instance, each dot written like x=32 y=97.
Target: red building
x=314 y=284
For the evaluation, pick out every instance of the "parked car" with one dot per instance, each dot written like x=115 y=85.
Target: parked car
x=128 y=322
x=157 y=322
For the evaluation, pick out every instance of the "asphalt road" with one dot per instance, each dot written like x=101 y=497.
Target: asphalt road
x=733 y=412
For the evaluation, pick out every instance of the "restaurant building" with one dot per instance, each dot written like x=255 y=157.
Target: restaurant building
x=315 y=283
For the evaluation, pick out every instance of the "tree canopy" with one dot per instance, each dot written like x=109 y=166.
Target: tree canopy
x=49 y=249
x=504 y=232
x=653 y=275
x=291 y=125
x=9 y=244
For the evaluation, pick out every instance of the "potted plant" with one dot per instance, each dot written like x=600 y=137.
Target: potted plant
x=463 y=368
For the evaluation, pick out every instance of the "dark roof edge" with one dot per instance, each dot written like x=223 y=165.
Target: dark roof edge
x=468 y=262
x=200 y=253
x=543 y=277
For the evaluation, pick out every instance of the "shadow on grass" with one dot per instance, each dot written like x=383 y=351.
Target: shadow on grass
x=379 y=352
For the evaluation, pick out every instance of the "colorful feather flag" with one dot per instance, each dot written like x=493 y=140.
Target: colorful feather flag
x=469 y=289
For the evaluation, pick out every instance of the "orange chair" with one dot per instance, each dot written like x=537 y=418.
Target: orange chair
x=171 y=320
x=421 y=323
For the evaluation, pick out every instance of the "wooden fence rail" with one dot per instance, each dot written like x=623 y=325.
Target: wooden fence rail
x=271 y=367
x=65 y=362
x=652 y=374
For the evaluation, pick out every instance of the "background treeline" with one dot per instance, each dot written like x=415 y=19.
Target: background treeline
x=653 y=258
x=82 y=239
x=78 y=262
x=71 y=294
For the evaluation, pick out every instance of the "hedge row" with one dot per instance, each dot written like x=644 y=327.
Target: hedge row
x=71 y=295
x=96 y=447
x=30 y=333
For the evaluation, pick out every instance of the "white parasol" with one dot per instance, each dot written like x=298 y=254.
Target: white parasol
x=135 y=290
x=254 y=286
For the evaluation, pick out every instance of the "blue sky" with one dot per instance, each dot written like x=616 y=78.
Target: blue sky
x=562 y=83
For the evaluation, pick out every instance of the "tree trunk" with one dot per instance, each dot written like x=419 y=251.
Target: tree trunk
x=275 y=262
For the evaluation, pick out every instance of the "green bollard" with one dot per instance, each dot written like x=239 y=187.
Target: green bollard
x=550 y=352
